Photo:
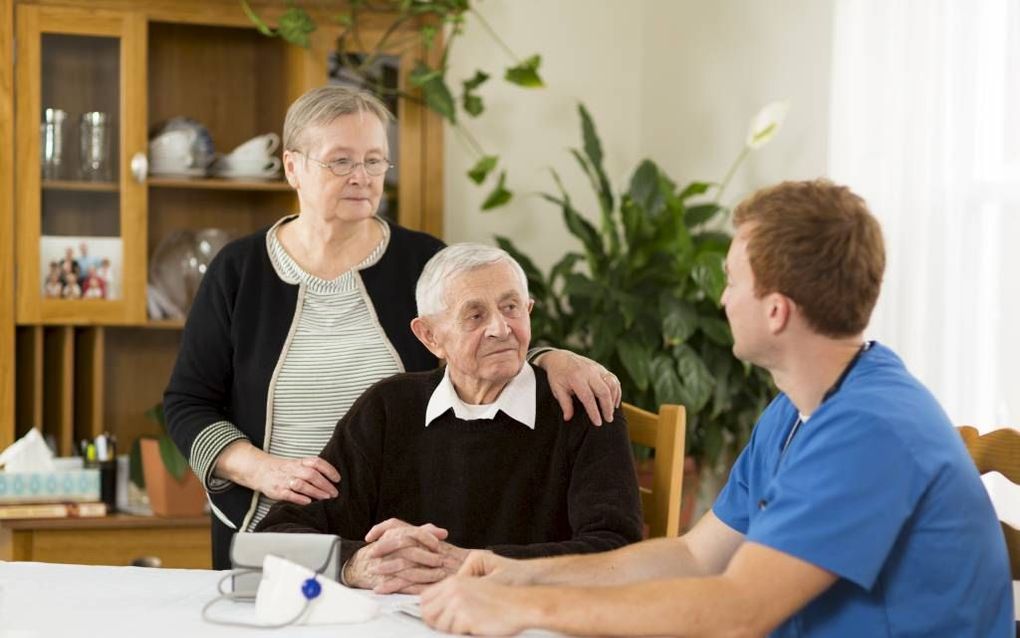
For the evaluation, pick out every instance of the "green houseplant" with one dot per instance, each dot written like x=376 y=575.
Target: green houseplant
x=641 y=295
x=414 y=26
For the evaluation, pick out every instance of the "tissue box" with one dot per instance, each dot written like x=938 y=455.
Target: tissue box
x=61 y=485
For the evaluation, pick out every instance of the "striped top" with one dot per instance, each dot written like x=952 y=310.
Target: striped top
x=335 y=351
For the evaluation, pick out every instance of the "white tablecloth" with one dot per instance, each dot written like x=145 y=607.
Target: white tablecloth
x=41 y=599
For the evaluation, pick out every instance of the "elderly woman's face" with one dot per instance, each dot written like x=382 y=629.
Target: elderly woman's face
x=358 y=137
x=486 y=328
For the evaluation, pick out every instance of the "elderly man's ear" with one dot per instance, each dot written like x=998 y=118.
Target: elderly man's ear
x=426 y=333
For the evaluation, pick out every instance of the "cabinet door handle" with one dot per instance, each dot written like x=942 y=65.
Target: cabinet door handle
x=140 y=167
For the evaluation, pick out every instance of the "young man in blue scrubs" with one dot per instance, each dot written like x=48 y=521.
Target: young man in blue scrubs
x=853 y=511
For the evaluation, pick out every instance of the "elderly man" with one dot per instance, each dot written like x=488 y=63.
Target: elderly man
x=476 y=455
x=853 y=511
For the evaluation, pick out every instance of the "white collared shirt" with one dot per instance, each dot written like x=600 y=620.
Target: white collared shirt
x=517 y=400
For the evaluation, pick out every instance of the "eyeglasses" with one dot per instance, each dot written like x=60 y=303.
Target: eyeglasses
x=344 y=167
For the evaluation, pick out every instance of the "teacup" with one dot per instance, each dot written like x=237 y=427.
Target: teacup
x=172 y=144
x=248 y=165
x=258 y=146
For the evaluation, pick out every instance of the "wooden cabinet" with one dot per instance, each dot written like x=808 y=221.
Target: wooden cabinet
x=113 y=540
x=77 y=367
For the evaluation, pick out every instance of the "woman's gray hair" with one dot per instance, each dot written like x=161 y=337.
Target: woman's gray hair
x=324 y=104
x=430 y=293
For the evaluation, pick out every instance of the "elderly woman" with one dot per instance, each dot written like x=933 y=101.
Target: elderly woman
x=475 y=455
x=291 y=324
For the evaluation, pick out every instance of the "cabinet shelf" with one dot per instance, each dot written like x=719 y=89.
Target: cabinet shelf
x=74 y=185
x=164 y=324
x=214 y=183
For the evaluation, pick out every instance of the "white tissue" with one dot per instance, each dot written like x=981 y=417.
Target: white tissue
x=28 y=454
x=279 y=598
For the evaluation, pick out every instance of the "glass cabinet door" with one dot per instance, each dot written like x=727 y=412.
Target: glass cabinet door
x=80 y=210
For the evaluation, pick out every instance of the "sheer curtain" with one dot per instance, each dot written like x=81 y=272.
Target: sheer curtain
x=925 y=125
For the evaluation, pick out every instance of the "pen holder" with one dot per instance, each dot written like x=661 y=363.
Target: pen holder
x=107 y=483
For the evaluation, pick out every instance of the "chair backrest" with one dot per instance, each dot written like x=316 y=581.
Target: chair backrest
x=666 y=432
x=998 y=451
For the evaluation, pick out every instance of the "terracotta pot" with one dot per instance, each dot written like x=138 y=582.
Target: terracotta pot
x=167 y=495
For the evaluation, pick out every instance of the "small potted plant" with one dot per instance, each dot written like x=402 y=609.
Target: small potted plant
x=159 y=467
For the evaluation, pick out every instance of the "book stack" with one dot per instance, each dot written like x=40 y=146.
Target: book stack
x=51 y=510
x=65 y=492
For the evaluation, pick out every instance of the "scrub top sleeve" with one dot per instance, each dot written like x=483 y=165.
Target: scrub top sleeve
x=731 y=506
x=841 y=497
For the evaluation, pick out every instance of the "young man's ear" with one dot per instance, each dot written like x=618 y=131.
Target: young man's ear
x=780 y=309
x=426 y=333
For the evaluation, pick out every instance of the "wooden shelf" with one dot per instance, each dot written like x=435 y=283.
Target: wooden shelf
x=73 y=185
x=164 y=324
x=106 y=522
x=217 y=183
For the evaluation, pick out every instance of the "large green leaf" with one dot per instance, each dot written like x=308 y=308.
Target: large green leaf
x=499 y=195
x=665 y=381
x=679 y=321
x=636 y=359
x=472 y=102
x=593 y=151
x=644 y=186
x=717 y=330
x=526 y=73
x=482 y=168
x=433 y=87
x=576 y=284
x=695 y=378
x=296 y=26
x=695 y=188
x=174 y=461
x=580 y=227
x=709 y=275
x=697 y=215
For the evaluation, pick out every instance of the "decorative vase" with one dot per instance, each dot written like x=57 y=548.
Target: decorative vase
x=167 y=495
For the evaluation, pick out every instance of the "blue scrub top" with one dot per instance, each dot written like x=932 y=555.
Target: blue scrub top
x=877 y=488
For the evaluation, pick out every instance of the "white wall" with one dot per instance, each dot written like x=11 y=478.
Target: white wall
x=710 y=66
x=677 y=81
x=591 y=52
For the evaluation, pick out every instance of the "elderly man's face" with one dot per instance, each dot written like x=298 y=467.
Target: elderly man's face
x=485 y=330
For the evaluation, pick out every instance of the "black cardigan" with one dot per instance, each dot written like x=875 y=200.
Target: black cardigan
x=235 y=334
x=560 y=488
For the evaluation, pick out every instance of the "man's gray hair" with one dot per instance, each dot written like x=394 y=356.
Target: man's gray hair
x=448 y=263
x=322 y=105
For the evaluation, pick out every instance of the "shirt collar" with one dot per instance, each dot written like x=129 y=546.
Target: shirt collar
x=517 y=400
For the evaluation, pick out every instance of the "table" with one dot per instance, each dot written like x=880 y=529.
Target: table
x=42 y=600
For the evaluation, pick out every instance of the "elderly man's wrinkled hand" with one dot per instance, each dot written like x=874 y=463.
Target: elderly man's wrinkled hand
x=403 y=558
x=572 y=375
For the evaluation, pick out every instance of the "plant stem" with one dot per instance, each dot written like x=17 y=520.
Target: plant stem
x=499 y=41
x=469 y=139
x=729 y=174
x=262 y=27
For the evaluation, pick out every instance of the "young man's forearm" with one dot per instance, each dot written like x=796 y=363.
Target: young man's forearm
x=654 y=559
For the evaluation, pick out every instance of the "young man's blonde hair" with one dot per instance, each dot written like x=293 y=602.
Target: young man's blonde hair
x=324 y=104
x=817 y=243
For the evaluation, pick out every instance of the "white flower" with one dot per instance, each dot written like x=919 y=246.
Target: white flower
x=766 y=123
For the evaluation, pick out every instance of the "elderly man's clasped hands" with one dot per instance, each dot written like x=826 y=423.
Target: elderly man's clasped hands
x=403 y=558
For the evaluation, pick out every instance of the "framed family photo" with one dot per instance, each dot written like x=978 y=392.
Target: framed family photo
x=80 y=267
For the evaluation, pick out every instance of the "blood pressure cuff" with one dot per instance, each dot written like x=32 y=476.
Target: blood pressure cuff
x=318 y=552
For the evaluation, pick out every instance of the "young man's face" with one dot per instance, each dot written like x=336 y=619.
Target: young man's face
x=746 y=312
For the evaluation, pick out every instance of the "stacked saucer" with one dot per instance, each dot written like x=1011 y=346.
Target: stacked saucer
x=252 y=160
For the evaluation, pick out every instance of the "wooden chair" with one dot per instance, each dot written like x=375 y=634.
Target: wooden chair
x=998 y=451
x=666 y=433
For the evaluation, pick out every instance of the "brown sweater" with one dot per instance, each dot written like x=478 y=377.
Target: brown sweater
x=562 y=488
